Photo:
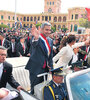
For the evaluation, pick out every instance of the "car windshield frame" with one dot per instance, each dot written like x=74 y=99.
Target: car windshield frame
x=71 y=76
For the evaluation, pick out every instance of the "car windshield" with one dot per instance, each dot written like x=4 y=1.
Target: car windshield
x=80 y=87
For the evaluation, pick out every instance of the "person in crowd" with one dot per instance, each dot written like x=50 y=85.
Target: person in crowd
x=12 y=50
x=56 y=44
x=21 y=48
x=56 y=89
x=4 y=42
x=66 y=53
x=42 y=52
x=28 y=43
x=83 y=53
x=63 y=42
x=6 y=71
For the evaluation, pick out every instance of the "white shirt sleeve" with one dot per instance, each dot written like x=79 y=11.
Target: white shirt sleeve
x=79 y=44
x=59 y=54
x=11 y=94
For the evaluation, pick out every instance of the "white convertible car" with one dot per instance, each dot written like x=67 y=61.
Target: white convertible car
x=77 y=83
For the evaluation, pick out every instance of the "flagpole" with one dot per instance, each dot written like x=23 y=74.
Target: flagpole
x=15 y=12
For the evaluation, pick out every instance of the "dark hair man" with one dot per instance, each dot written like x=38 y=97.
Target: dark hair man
x=42 y=52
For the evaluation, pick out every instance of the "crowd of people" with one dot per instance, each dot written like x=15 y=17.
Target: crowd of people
x=47 y=51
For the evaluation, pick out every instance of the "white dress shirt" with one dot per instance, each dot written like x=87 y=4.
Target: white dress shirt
x=13 y=47
x=75 y=58
x=1 y=70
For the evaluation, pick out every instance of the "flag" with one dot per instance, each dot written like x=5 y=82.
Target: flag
x=20 y=24
x=15 y=24
x=88 y=13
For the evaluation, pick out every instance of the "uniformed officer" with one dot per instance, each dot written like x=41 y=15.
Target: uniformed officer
x=55 y=90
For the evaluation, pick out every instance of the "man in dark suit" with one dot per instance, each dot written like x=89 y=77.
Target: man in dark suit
x=12 y=52
x=56 y=89
x=6 y=71
x=4 y=42
x=41 y=56
x=21 y=48
x=84 y=51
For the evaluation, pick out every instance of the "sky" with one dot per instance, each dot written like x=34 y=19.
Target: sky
x=37 y=6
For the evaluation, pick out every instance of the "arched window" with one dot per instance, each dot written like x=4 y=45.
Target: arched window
x=39 y=18
x=31 y=26
x=76 y=16
x=24 y=25
x=55 y=19
x=75 y=27
x=64 y=19
x=24 y=19
x=59 y=27
x=59 y=19
x=13 y=17
x=12 y=25
x=17 y=19
x=46 y=18
x=49 y=18
x=72 y=16
x=63 y=26
x=27 y=18
x=71 y=28
x=34 y=18
x=28 y=25
x=31 y=19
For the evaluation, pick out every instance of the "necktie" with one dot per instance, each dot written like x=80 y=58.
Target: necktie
x=23 y=47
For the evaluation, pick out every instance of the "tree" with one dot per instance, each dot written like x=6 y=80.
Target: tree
x=53 y=29
x=37 y=25
x=3 y=26
x=64 y=29
x=84 y=22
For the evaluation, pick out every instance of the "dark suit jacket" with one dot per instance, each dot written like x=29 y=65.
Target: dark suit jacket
x=10 y=53
x=20 y=50
x=39 y=56
x=81 y=56
x=6 y=43
x=7 y=76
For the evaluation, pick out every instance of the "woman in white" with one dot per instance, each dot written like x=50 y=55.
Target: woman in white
x=66 y=53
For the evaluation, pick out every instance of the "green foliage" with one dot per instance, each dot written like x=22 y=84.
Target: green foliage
x=83 y=22
x=64 y=29
x=3 y=26
x=53 y=29
x=37 y=25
